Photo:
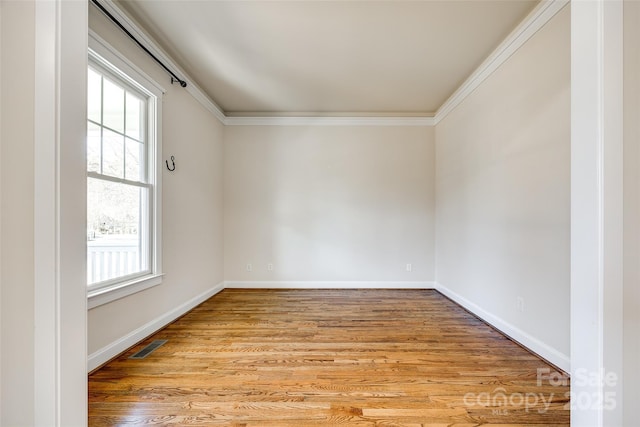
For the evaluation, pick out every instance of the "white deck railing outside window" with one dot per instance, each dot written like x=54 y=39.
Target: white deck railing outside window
x=110 y=259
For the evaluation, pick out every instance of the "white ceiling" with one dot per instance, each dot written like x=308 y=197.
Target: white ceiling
x=336 y=57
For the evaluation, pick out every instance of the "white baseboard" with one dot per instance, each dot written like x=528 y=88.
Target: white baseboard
x=110 y=351
x=545 y=351
x=301 y=284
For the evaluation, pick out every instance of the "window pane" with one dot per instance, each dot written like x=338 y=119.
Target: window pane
x=113 y=114
x=94 y=101
x=116 y=232
x=134 y=116
x=93 y=147
x=119 y=215
x=112 y=154
x=134 y=153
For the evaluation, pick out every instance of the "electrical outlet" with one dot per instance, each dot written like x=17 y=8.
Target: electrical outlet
x=409 y=267
x=520 y=304
x=269 y=267
x=249 y=267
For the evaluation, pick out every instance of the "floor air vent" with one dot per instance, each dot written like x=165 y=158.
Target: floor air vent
x=148 y=349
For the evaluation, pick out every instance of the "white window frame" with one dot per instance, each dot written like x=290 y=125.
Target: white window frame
x=106 y=57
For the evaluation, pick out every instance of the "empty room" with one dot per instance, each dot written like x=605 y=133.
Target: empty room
x=311 y=213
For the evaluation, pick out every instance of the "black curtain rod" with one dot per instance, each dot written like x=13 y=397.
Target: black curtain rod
x=174 y=78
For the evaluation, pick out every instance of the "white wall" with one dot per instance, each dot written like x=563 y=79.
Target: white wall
x=1 y=240
x=503 y=194
x=329 y=203
x=43 y=312
x=631 y=386
x=597 y=211
x=61 y=298
x=192 y=212
x=17 y=262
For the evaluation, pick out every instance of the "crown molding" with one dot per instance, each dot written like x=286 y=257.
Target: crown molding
x=537 y=19
x=150 y=44
x=329 y=121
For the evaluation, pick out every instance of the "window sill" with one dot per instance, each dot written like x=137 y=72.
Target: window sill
x=120 y=290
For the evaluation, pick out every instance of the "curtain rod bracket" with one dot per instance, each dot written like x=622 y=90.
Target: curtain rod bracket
x=182 y=82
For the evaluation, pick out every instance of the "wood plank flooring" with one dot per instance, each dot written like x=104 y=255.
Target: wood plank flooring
x=328 y=357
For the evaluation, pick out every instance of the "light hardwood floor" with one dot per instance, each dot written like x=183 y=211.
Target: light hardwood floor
x=329 y=357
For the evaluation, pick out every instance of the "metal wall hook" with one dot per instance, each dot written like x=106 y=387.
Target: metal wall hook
x=172 y=162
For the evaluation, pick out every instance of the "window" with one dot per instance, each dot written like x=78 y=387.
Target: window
x=123 y=228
